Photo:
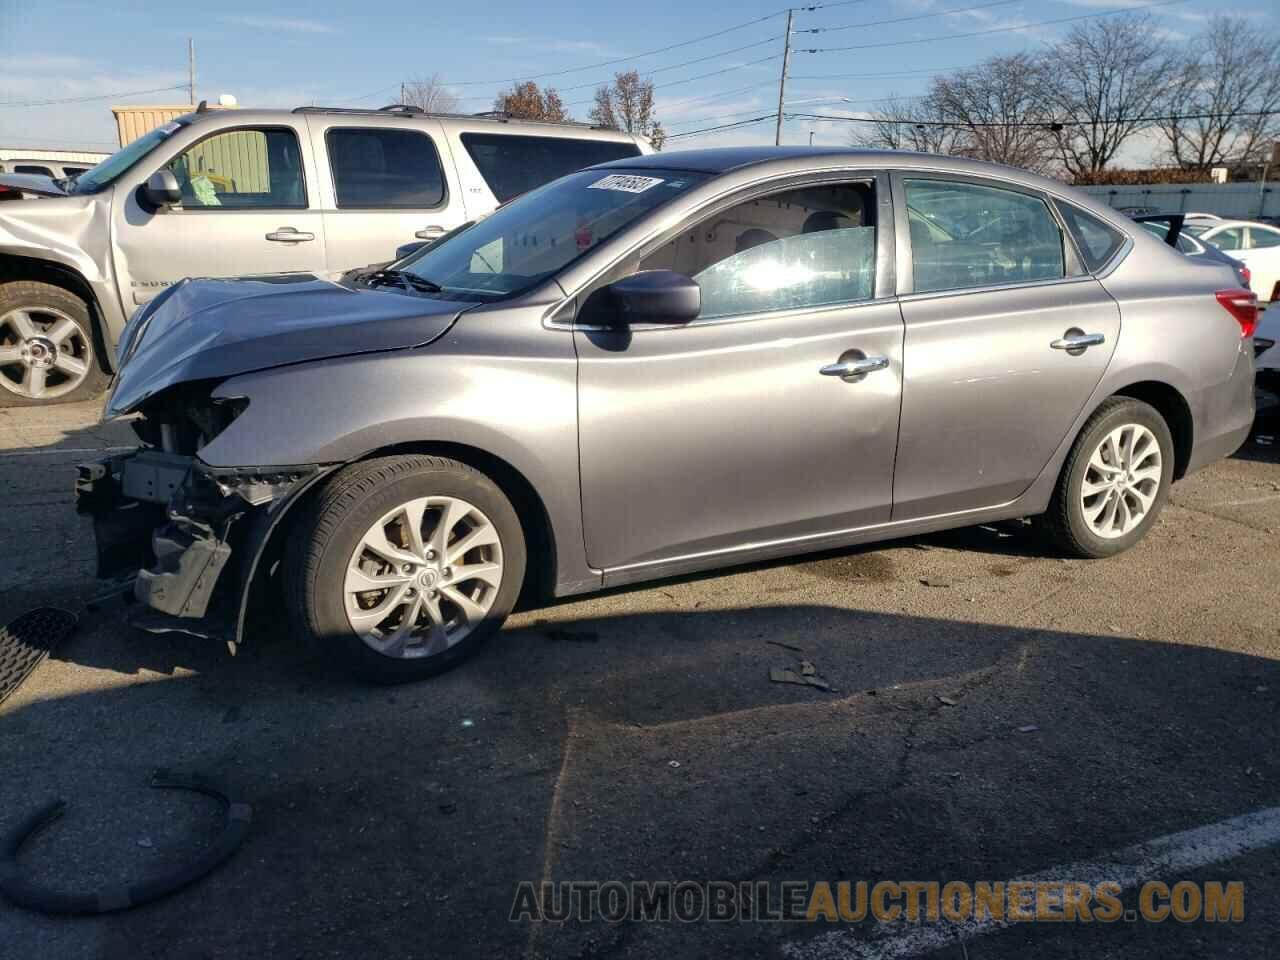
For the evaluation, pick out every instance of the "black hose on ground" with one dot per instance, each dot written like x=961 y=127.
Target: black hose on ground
x=23 y=893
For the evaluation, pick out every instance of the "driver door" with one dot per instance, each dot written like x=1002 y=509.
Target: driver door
x=723 y=436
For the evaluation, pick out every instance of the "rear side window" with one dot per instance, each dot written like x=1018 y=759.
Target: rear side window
x=969 y=235
x=1258 y=237
x=512 y=165
x=385 y=169
x=1097 y=240
x=32 y=168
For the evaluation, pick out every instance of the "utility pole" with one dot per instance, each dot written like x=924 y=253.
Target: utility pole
x=191 y=68
x=401 y=100
x=782 y=83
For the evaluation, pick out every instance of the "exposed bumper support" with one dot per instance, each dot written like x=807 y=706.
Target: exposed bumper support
x=194 y=533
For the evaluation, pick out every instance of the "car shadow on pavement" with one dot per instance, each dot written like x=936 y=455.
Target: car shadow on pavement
x=397 y=822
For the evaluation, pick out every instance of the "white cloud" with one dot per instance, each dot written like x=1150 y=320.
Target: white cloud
x=285 y=24
x=555 y=46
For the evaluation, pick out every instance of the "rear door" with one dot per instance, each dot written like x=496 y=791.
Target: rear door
x=384 y=185
x=993 y=297
x=249 y=206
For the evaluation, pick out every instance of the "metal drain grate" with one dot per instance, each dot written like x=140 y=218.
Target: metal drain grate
x=27 y=640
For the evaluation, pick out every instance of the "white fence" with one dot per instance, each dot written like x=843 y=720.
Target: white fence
x=1243 y=201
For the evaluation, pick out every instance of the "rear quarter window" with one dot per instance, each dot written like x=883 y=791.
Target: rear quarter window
x=513 y=164
x=1096 y=239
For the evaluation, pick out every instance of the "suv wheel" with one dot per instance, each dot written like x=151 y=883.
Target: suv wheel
x=1115 y=480
x=405 y=564
x=46 y=346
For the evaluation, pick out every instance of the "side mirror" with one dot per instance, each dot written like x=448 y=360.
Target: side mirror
x=405 y=249
x=161 y=190
x=651 y=296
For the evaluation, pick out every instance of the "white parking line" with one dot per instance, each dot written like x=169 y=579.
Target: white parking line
x=65 y=450
x=1130 y=867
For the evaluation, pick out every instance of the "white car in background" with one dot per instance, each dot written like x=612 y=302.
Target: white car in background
x=1256 y=244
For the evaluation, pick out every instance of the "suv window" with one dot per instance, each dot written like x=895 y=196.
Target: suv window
x=512 y=165
x=32 y=168
x=384 y=169
x=259 y=169
x=1232 y=238
x=1262 y=237
x=798 y=248
x=1096 y=240
x=967 y=235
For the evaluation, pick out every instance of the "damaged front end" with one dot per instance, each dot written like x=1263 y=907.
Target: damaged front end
x=193 y=534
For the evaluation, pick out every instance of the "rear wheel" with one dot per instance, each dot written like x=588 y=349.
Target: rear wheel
x=1115 y=480
x=46 y=346
x=405 y=565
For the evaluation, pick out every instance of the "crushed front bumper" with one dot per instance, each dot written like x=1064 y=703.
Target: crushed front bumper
x=192 y=533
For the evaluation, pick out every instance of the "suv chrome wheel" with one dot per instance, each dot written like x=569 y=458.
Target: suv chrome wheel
x=423 y=577
x=44 y=353
x=1121 y=481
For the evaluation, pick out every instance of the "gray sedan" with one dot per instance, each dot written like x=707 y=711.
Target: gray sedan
x=655 y=366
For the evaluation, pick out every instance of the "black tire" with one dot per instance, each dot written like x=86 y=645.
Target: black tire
x=1065 y=520
x=330 y=527
x=46 y=304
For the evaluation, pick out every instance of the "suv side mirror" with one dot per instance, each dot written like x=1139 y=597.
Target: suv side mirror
x=650 y=296
x=161 y=190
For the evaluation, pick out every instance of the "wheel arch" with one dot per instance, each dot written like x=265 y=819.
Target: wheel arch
x=14 y=268
x=1176 y=411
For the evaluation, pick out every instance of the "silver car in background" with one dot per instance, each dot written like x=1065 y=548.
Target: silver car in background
x=655 y=366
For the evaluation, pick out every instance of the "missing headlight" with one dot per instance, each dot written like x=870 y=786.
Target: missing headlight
x=185 y=418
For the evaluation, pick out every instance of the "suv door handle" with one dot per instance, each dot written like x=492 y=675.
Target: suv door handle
x=854 y=367
x=289 y=235
x=428 y=233
x=1075 y=340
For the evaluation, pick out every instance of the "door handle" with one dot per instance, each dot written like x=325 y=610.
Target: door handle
x=854 y=367
x=289 y=235
x=428 y=233
x=1075 y=340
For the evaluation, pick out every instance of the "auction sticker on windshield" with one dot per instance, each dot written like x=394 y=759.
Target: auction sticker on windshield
x=627 y=183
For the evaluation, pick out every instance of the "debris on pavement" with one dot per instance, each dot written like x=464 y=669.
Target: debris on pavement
x=935 y=582
x=786 y=675
x=673 y=764
x=808 y=669
x=947 y=701
x=27 y=640
x=1029 y=728
x=786 y=646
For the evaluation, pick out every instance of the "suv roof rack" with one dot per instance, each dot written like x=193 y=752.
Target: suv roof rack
x=408 y=109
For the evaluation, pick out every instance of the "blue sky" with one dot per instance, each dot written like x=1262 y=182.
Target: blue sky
x=343 y=53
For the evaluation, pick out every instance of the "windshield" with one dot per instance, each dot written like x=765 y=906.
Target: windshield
x=530 y=239
x=91 y=181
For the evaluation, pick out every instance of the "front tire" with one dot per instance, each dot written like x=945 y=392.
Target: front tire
x=47 y=346
x=404 y=565
x=1114 y=481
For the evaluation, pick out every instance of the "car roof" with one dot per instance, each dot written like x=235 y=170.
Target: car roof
x=402 y=118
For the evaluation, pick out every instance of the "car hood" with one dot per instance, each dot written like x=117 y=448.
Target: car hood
x=32 y=183
x=214 y=329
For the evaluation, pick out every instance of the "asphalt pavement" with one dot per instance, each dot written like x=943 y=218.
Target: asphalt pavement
x=994 y=711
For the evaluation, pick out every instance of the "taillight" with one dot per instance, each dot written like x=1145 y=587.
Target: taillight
x=1243 y=305
x=1246 y=275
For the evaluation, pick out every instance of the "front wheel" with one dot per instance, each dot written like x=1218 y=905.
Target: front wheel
x=46 y=346
x=1114 y=482
x=405 y=565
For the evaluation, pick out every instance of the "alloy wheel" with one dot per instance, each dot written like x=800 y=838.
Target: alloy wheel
x=423 y=577
x=44 y=354
x=1121 y=481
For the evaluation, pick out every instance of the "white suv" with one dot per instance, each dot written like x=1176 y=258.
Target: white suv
x=222 y=193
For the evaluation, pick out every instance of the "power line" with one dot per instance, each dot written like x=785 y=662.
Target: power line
x=920 y=16
x=983 y=33
x=936 y=71
x=683 y=80
x=627 y=59
x=723 y=126
x=96 y=96
x=1067 y=122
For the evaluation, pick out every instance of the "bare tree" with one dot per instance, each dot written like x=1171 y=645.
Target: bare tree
x=999 y=111
x=430 y=94
x=627 y=105
x=528 y=102
x=908 y=123
x=1230 y=78
x=1103 y=79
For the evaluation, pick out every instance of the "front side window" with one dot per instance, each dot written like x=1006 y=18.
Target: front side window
x=32 y=168
x=539 y=234
x=799 y=248
x=1262 y=237
x=242 y=169
x=512 y=165
x=385 y=169
x=967 y=235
